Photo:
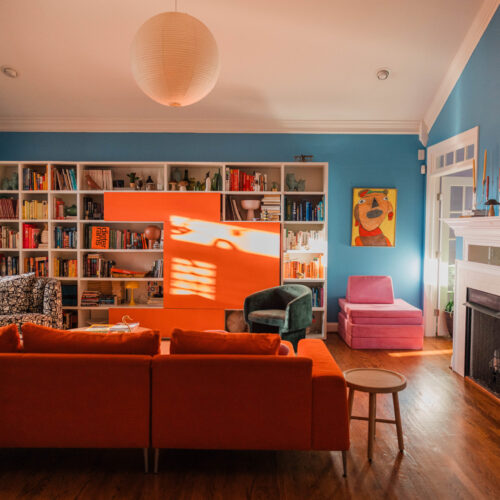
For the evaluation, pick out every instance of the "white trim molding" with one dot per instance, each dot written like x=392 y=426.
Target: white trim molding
x=403 y=127
x=469 y=43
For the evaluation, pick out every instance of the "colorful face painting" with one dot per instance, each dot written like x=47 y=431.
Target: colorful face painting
x=374 y=217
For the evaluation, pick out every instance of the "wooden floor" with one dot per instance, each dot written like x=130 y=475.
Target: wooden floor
x=451 y=430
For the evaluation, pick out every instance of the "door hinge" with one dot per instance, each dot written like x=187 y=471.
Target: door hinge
x=439 y=196
x=436 y=312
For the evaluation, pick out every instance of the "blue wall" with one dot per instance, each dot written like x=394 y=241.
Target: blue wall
x=475 y=100
x=355 y=161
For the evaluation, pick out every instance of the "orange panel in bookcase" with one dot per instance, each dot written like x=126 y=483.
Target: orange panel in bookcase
x=165 y=320
x=217 y=264
x=148 y=206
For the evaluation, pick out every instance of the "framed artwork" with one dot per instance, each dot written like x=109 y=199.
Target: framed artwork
x=373 y=217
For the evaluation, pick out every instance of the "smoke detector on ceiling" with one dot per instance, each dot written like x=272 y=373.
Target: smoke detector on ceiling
x=9 y=71
x=383 y=74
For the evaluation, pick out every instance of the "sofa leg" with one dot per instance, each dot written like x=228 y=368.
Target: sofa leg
x=157 y=457
x=344 y=462
x=146 y=459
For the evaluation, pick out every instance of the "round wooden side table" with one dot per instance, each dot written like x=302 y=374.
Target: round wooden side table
x=376 y=381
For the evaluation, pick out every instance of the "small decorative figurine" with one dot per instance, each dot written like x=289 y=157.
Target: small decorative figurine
x=294 y=184
x=150 y=185
x=139 y=183
x=208 y=183
x=176 y=175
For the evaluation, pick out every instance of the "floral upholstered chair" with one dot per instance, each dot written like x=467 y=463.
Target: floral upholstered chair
x=26 y=299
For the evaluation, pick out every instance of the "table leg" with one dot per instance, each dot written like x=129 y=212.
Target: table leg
x=397 y=416
x=371 y=423
x=350 y=401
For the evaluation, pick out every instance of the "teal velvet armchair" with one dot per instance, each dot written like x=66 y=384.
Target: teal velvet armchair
x=285 y=309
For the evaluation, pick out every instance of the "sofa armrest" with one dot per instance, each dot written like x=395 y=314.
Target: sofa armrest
x=52 y=302
x=330 y=421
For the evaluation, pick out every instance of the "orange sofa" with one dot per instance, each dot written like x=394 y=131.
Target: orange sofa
x=204 y=401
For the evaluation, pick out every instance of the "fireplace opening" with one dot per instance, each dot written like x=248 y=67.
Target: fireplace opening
x=482 y=339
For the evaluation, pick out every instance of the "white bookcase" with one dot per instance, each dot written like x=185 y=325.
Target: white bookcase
x=274 y=174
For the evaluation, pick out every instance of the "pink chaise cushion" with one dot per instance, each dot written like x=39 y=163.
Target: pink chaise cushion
x=380 y=313
x=370 y=290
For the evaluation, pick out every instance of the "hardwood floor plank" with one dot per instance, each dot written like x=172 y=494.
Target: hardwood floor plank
x=452 y=451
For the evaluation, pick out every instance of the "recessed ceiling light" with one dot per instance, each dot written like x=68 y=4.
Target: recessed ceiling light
x=9 y=71
x=383 y=74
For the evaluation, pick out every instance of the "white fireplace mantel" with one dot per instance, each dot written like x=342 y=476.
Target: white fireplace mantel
x=477 y=230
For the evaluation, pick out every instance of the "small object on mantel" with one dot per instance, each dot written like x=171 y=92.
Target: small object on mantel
x=303 y=158
x=492 y=203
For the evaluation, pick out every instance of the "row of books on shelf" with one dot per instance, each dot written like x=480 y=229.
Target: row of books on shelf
x=9 y=208
x=37 y=265
x=299 y=269
x=65 y=268
x=9 y=237
x=317 y=296
x=95 y=266
x=99 y=178
x=305 y=240
x=92 y=210
x=103 y=237
x=34 y=180
x=9 y=265
x=65 y=237
x=64 y=179
x=34 y=236
x=304 y=210
x=238 y=180
x=35 y=209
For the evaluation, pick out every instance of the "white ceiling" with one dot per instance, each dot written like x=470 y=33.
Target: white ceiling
x=283 y=61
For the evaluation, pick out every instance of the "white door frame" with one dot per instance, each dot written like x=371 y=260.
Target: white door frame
x=432 y=214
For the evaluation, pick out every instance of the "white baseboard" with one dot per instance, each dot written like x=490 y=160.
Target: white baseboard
x=332 y=327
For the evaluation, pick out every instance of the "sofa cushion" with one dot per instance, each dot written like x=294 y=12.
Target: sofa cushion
x=15 y=293
x=9 y=339
x=377 y=312
x=370 y=290
x=42 y=339
x=192 y=342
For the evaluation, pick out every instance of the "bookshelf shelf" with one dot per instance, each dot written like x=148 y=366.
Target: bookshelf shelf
x=266 y=175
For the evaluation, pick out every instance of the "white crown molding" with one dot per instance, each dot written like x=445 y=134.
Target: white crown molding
x=469 y=43
x=211 y=126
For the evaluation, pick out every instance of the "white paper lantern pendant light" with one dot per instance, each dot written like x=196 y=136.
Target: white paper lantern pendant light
x=175 y=60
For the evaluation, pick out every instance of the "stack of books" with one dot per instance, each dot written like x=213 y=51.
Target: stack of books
x=98 y=178
x=31 y=236
x=35 y=210
x=65 y=268
x=107 y=300
x=299 y=269
x=270 y=208
x=34 y=180
x=91 y=209
x=64 y=179
x=37 y=265
x=9 y=208
x=9 y=265
x=90 y=298
x=9 y=237
x=157 y=270
x=64 y=237
x=317 y=296
x=126 y=273
x=95 y=266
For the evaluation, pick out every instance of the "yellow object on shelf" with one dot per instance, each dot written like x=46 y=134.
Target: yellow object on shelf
x=131 y=285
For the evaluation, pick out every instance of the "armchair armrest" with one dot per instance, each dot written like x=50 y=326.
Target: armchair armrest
x=299 y=313
x=52 y=302
x=330 y=419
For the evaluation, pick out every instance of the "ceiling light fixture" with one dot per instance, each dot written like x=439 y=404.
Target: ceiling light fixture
x=383 y=74
x=175 y=60
x=9 y=71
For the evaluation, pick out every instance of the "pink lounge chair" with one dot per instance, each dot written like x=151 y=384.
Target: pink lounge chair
x=371 y=318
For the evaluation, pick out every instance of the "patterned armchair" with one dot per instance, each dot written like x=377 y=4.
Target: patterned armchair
x=25 y=298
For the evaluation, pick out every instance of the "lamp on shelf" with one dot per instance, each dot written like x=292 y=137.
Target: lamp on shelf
x=175 y=60
x=131 y=285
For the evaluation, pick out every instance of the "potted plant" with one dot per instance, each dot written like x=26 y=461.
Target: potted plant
x=448 y=316
x=132 y=178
